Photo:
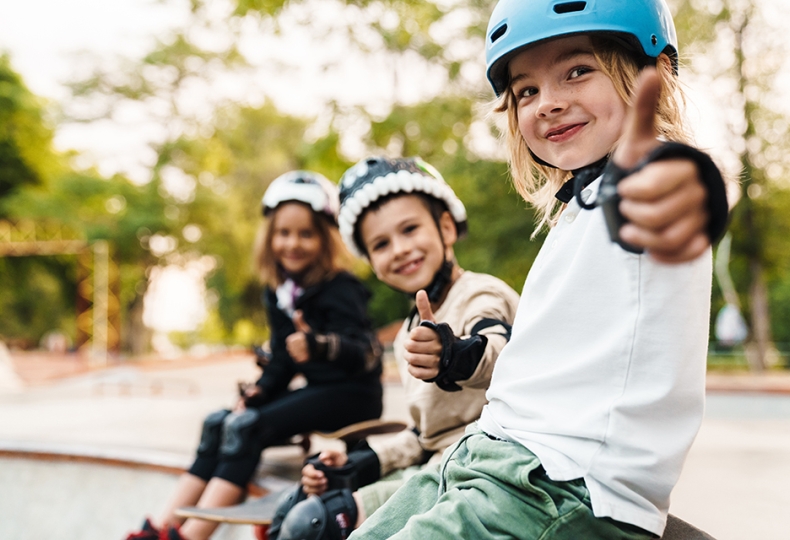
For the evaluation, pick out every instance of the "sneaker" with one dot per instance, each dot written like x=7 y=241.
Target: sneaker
x=147 y=532
x=171 y=533
x=261 y=532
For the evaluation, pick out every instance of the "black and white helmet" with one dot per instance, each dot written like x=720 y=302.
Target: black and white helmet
x=308 y=187
x=376 y=177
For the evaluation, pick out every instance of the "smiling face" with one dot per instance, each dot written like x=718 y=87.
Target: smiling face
x=568 y=110
x=296 y=241
x=403 y=242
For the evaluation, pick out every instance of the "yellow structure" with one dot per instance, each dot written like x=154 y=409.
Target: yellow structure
x=98 y=305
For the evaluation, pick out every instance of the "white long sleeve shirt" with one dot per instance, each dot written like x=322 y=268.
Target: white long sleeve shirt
x=604 y=375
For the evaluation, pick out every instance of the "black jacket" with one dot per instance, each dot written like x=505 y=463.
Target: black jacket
x=343 y=346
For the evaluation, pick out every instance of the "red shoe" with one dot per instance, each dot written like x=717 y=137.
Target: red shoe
x=171 y=533
x=261 y=532
x=147 y=532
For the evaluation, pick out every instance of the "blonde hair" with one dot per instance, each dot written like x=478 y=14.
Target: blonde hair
x=333 y=257
x=537 y=183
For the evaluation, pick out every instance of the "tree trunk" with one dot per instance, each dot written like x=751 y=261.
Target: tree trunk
x=137 y=337
x=760 y=341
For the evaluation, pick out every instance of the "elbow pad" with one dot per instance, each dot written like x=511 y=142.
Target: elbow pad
x=361 y=469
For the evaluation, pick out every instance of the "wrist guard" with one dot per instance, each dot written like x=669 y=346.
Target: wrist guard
x=459 y=357
x=609 y=199
x=361 y=469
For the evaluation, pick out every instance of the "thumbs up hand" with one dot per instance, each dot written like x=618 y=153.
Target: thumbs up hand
x=296 y=344
x=665 y=202
x=424 y=347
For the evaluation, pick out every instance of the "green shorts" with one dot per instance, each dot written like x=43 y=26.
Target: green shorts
x=491 y=489
x=373 y=496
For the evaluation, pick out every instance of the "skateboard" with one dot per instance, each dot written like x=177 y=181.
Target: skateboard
x=361 y=430
x=677 y=529
x=350 y=435
x=258 y=511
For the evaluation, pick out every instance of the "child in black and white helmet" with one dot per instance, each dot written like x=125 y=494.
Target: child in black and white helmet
x=404 y=218
x=317 y=314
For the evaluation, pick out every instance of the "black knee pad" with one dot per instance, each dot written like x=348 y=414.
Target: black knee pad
x=332 y=516
x=211 y=435
x=287 y=501
x=238 y=434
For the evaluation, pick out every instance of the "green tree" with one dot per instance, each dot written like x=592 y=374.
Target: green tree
x=737 y=45
x=26 y=156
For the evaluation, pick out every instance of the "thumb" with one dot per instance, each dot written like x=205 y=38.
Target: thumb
x=424 y=306
x=639 y=133
x=299 y=323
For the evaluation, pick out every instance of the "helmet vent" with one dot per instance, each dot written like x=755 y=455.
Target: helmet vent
x=569 y=7
x=498 y=33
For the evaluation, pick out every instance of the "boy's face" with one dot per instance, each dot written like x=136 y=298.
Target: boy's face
x=569 y=112
x=296 y=242
x=403 y=243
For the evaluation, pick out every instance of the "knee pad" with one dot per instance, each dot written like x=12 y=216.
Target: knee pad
x=211 y=435
x=287 y=501
x=332 y=516
x=238 y=430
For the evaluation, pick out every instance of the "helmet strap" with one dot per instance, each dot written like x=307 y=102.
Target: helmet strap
x=441 y=280
x=581 y=178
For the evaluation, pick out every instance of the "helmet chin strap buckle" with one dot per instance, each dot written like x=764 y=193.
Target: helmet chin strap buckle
x=441 y=280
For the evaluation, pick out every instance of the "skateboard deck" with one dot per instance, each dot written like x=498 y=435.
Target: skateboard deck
x=258 y=511
x=677 y=529
x=361 y=430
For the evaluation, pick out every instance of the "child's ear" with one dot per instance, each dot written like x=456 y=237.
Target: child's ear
x=447 y=227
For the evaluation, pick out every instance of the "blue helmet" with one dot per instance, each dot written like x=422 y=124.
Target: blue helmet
x=643 y=25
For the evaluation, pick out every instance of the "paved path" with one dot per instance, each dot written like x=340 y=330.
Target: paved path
x=733 y=485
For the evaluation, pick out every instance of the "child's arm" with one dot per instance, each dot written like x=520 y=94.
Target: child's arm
x=671 y=210
x=345 y=339
x=280 y=370
x=298 y=344
x=424 y=346
x=435 y=354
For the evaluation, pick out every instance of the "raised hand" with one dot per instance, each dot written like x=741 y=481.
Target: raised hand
x=665 y=203
x=424 y=347
x=314 y=482
x=296 y=344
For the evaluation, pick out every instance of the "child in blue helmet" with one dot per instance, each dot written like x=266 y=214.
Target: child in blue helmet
x=319 y=328
x=595 y=401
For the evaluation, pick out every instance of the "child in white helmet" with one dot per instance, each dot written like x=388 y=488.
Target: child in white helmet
x=319 y=328
x=404 y=218
x=595 y=401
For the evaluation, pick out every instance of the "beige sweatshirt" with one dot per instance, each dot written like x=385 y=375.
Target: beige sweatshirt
x=440 y=417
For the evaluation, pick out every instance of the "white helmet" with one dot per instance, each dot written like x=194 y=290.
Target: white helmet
x=307 y=187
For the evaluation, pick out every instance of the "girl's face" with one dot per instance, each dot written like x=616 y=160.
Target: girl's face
x=403 y=243
x=569 y=112
x=296 y=242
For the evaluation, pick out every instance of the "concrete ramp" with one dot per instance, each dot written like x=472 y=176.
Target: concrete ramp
x=53 y=495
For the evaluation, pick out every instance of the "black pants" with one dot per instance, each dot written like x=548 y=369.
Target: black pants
x=312 y=408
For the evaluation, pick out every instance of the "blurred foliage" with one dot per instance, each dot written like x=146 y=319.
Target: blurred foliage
x=25 y=135
x=731 y=36
x=203 y=200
